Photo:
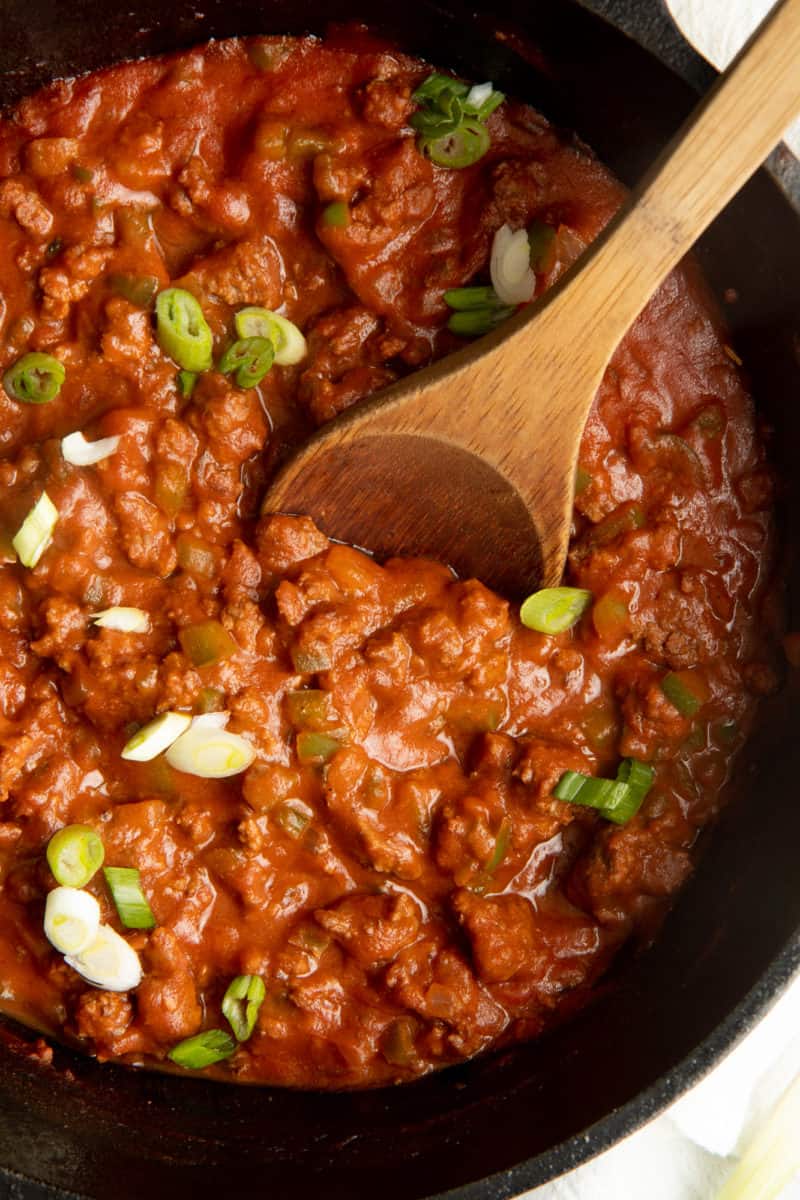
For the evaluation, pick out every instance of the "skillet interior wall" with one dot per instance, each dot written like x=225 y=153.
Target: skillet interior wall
x=89 y=1128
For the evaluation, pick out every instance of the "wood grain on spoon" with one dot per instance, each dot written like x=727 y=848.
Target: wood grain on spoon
x=472 y=461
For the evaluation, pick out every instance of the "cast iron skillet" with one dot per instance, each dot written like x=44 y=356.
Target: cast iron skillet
x=507 y=1122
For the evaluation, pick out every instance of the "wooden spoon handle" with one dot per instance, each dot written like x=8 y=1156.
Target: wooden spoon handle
x=711 y=157
x=550 y=366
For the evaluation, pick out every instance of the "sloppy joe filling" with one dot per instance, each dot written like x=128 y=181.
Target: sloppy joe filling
x=358 y=864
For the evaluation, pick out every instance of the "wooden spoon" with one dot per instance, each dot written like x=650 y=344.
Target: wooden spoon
x=472 y=461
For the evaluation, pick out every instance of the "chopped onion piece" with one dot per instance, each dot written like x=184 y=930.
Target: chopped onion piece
x=510 y=268
x=210 y=753
x=79 y=452
x=71 y=919
x=125 y=620
x=108 y=962
x=478 y=94
x=33 y=536
x=155 y=737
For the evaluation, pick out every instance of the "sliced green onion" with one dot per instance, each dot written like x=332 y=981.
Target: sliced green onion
x=287 y=340
x=35 y=532
x=490 y=104
x=76 y=450
x=512 y=276
x=441 y=108
x=445 y=103
x=71 y=919
x=451 y=119
x=207 y=643
x=620 y=807
x=680 y=695
x=470 y=299
x=570 y=785
x=554 y=610
x=186 y=382
x=248 y=360
x=586 y=789
x=256 y=322
x=616 y=799
x=316 y=747
x=155 y=737
x=439 y=122
x=35 y=378
x=125 y=886
x=478 y=321
x=215 y=719
x=203 y=1049
x=336 y=215
x=182 y=330
x=436 y=84
x=108 y=962
x=210 y=752
x=74 y=855
x=241 y=1003
x=638 y=777
x=136 y=289
x=481 y=100
x=461 y=148
x=124 y=620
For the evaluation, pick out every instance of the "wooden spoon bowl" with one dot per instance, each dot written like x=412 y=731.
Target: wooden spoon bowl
x=472 y=461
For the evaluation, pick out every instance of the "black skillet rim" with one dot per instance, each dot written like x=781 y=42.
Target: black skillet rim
x=652 y=28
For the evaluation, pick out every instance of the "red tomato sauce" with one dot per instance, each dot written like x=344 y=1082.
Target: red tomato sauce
x=409 y=890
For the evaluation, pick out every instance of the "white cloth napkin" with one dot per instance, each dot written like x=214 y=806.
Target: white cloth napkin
x=719 y=28
x=689 y=1152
